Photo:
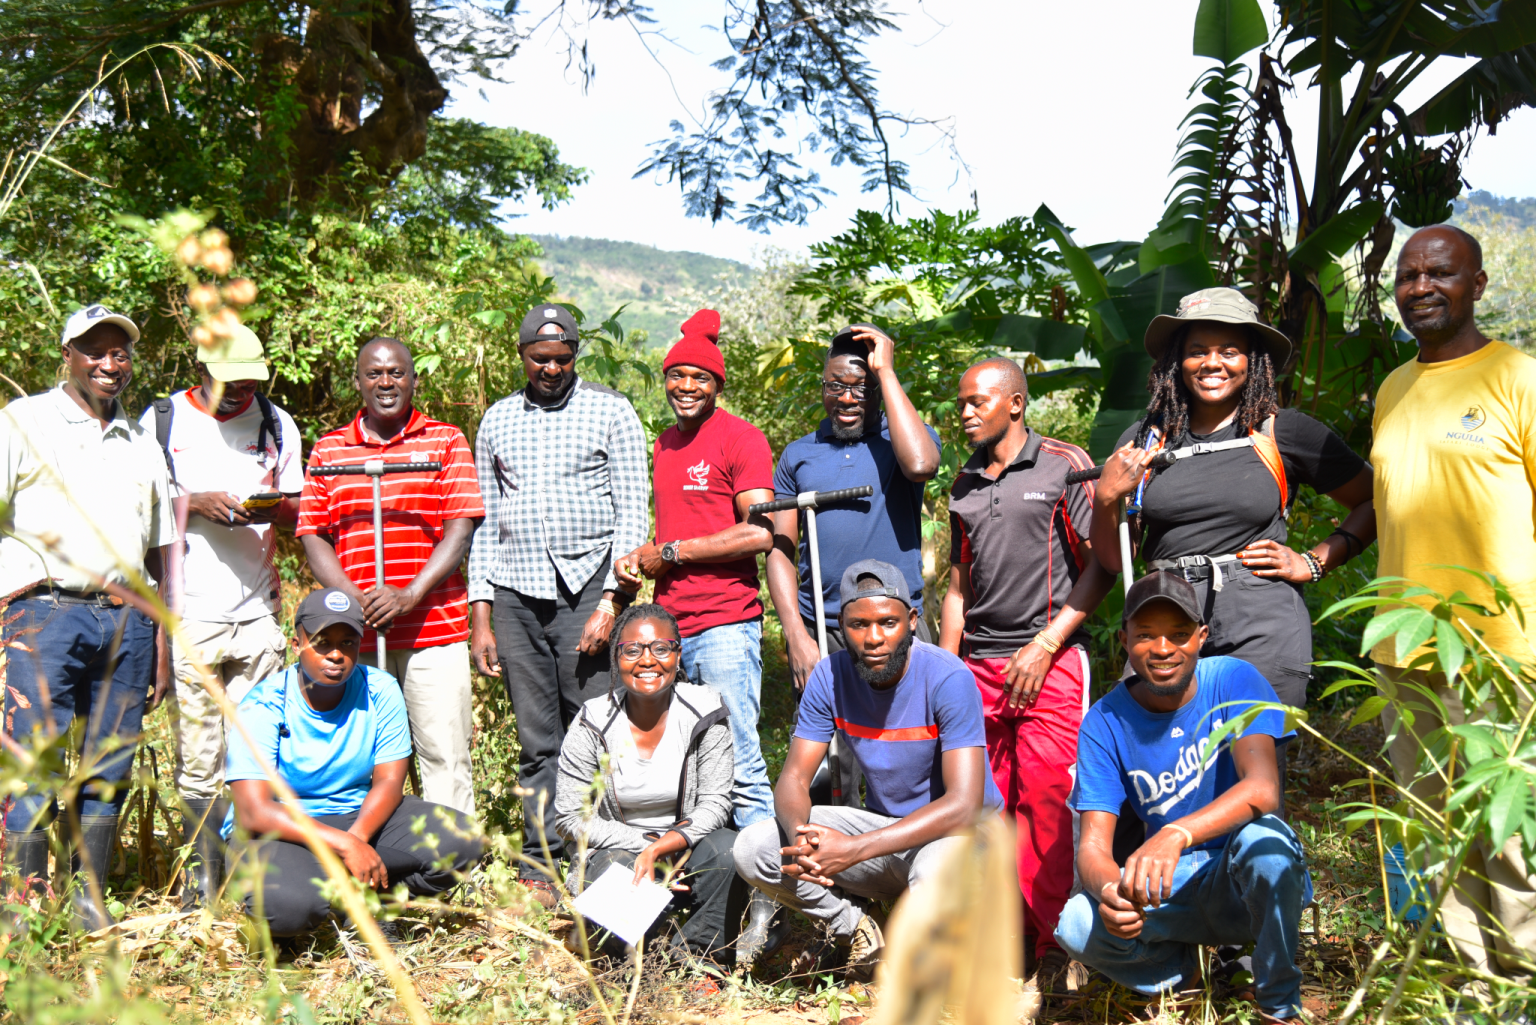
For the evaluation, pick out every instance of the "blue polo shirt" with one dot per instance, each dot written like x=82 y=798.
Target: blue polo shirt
x=887 y=526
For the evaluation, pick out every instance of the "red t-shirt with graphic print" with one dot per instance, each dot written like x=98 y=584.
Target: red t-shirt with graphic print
x=698 y=475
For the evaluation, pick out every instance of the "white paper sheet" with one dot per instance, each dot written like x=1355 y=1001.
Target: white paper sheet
x=624 y=909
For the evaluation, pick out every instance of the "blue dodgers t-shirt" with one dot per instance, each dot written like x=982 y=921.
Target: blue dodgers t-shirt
x=886 y=526
x=327 y=757
x=1159 y=761
x=899 y=734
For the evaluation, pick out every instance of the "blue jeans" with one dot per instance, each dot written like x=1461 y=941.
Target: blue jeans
x=730 y=659
x=1250 y=891
x=66 y=661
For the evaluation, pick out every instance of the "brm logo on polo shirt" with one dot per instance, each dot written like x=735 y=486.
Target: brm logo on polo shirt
x=1034 y=496
x=337 y=602
x=699 y=474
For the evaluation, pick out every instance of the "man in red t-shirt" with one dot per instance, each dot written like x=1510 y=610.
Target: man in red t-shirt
x=709 y=468
x=422 y=603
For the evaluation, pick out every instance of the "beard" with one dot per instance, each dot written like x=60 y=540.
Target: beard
x=893 y=668
x=847 y=433
x=985 y=443
x=1170 y=690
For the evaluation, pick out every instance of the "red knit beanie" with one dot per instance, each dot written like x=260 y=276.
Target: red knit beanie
x=700 y=346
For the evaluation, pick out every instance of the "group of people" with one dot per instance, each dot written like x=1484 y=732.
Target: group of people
x=637 y=724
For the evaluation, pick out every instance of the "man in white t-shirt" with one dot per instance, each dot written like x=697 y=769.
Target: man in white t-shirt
x=237 y=471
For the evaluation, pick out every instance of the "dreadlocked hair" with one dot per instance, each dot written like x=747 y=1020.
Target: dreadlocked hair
x=650 y=610
x=1168 y=409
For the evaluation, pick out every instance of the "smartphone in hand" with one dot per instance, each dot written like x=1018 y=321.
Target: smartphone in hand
x=264 y=500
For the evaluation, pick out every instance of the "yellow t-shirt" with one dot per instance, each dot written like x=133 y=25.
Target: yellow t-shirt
x=1455 y=467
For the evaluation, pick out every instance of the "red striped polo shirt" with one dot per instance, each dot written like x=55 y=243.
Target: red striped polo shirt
x=415 y=507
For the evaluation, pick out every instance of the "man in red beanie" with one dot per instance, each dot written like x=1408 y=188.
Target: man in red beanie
x=709 y=468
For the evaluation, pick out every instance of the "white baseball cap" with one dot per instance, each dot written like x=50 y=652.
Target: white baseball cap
x=82 y=321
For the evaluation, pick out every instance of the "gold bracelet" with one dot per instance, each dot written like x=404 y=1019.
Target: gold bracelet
x=1189 y=838
x=608 y=607
x=1048 y=641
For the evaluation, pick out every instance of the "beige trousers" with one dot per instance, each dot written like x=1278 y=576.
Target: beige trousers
x=239 y=655
x=1490 y=913
x=439 y=700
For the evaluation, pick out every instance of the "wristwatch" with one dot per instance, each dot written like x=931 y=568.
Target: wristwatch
x=669 y=553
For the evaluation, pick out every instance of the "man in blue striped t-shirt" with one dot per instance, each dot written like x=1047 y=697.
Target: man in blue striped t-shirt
x=911 y=714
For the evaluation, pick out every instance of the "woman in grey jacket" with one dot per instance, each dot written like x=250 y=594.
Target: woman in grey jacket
x=646 y=773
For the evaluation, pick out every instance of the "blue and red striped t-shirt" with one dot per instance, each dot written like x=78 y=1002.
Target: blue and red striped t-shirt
x=415 y=507
x=899 y=734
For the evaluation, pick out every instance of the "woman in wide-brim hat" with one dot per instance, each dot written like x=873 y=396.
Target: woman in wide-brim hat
x=1220 y=516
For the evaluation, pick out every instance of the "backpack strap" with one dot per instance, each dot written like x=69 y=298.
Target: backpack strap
x=165 y=412
x=1269 y=452
x=270 y=425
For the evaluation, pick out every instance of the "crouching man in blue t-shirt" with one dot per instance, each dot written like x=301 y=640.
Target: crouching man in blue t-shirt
x=337 y=734
x=1219 y=868
x=911 y=714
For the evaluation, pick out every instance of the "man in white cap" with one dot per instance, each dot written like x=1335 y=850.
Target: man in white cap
x=236 y=467
x=86 y=514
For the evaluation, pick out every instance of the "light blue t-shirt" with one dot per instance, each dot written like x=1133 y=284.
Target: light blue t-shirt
x=327 y=757
x=1159 y=760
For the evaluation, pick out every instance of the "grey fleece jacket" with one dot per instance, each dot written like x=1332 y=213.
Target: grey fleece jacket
x=703 y=789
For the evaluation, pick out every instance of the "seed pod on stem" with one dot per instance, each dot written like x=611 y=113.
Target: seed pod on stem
x=203 y=298
x=189 y=251
x=223 y=323
x=241 y=292
x=202 y=336
x=218 y=261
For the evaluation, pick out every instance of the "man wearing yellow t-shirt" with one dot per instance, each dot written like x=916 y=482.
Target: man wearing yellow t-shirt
x=1455 y=460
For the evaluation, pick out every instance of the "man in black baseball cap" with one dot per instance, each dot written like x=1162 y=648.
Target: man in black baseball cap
x=327 y=606
x=909 y=714
x=566 y=484
x=1218 y=867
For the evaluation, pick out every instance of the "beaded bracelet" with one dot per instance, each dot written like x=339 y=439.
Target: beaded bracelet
x=1314 y=566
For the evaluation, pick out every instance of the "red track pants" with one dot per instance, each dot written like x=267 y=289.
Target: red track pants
x=1033 y=754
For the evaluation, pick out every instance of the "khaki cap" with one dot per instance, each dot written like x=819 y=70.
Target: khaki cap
x=239 y=357
x=1220 y=306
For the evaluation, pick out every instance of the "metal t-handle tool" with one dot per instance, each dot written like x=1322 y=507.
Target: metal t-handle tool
x=810 y=501
x=377 y=468
x=1122 y=520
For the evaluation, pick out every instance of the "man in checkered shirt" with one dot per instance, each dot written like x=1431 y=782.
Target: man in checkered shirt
x=563 y=471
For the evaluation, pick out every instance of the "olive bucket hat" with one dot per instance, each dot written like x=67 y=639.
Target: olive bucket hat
x=1220 y=306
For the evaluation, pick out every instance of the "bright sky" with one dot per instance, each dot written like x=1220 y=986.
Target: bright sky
x=1073 y=105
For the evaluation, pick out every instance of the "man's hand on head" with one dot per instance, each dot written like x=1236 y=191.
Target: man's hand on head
x=1121 y=917
x=882 y=350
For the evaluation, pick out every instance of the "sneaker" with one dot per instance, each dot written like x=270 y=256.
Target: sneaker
x=543 y=892
x=1058 y=974
x=865 y=948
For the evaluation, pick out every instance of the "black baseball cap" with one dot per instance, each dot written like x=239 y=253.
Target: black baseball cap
x=888 y=583
x=1162 y=585
x=844 y=344
x=320 y=609
x=549 y=313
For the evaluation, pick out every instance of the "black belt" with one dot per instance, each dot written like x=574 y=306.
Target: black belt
x=64 y=596
x=1217 y=567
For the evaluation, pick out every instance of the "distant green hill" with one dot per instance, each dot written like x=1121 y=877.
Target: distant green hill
x=599 y=275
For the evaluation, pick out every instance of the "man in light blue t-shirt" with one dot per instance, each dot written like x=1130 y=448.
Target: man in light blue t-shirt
x=1218 y=867
x=336 y=733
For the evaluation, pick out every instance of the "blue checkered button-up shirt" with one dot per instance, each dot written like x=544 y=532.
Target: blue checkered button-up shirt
x=566 y=492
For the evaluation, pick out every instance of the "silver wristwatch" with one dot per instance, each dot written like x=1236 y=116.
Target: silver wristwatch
x=669 y=553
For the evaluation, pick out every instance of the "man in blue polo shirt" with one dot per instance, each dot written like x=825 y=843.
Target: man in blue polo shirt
x=911 y=714
x=1218 y=867
x=852 y=447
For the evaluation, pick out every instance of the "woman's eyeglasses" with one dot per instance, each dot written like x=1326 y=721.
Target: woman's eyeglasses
x=632 y=651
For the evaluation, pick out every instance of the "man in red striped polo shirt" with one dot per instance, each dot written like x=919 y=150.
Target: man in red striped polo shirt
x=422 y=603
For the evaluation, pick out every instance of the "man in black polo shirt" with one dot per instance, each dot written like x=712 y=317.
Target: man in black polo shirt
x=1022 y=579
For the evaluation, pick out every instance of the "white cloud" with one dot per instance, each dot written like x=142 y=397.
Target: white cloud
x=1073 y=105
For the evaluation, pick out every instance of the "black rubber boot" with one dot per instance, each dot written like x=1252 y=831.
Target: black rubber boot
x=766 y=929
x=204 y=873
x=26 y=854
x=98 y=834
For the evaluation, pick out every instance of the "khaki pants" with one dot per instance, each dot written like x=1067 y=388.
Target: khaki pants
x=1490 y=913
x=239 y=655
x=439 y=700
